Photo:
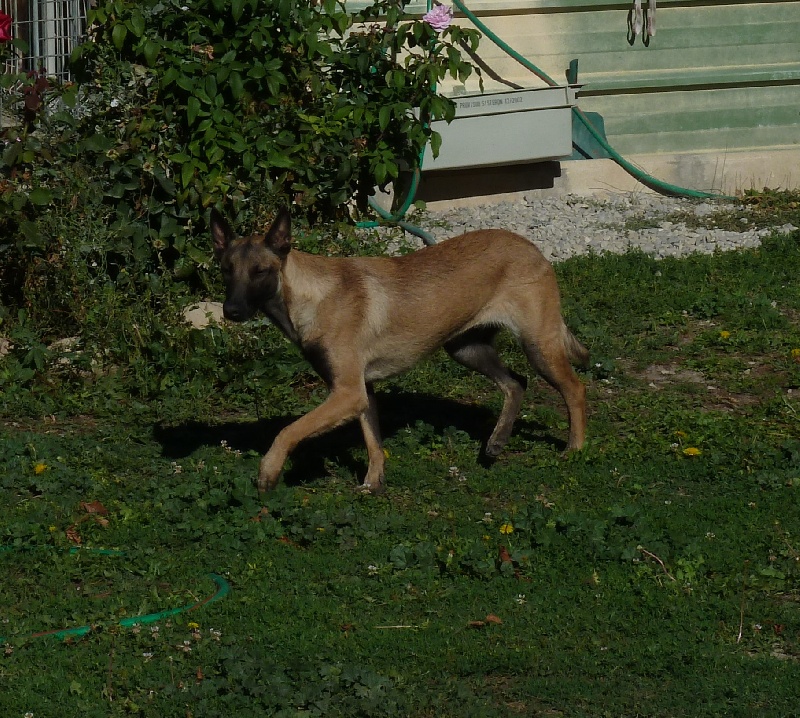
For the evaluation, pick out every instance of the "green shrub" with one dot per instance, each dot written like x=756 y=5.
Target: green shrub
x=181 y=104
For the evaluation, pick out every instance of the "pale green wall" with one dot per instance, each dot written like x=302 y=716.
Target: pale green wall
x=721 y=76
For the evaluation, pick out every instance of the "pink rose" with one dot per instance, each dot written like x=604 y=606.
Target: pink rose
x=439 y=18
x=5 y=27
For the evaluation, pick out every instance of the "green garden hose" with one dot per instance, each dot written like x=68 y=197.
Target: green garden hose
x=396 y=218
x=222 y=590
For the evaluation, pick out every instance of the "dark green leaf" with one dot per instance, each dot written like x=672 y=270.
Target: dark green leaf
x=384 y=117
x=192 y=109
x=187 y=173
x=136 y=24
x=118 y=35
x=150 y=51
x=40 y=196
x=236 y=85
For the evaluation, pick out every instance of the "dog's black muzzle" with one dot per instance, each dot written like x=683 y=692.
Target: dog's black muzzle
x=236 y=311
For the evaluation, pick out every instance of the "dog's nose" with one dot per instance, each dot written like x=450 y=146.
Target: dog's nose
x=233 y=312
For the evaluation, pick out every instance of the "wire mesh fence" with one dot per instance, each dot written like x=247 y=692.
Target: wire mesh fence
x=50 y=29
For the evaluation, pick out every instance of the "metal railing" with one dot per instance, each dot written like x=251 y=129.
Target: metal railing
x=50 y=29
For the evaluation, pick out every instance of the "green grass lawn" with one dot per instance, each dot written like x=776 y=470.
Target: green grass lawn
x=657 y=573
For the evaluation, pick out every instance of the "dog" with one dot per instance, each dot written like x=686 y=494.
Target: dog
x=361 y=319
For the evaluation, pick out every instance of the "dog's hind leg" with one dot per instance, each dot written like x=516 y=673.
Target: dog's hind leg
x=551 y=359
x=475 y=350
x=373 y=481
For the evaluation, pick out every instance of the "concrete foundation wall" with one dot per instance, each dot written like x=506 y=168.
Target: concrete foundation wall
x=724 y=173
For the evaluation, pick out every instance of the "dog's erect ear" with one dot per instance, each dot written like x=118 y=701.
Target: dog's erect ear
x=279 y=236
x=221 y=233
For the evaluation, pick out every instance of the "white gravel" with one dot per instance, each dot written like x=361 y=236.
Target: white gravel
x=572 y=225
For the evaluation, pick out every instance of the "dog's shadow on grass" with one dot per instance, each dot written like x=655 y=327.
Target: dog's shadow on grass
x=396 y=410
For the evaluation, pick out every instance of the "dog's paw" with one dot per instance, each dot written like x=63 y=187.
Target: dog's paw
x=264 y=486
x=377 y=488
x=494 y=449
x=269 y=472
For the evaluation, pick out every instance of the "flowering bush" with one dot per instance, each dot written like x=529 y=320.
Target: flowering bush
x=185 y=103
x=315 y=103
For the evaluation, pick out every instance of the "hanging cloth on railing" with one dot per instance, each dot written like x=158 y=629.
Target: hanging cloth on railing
x=639 y=20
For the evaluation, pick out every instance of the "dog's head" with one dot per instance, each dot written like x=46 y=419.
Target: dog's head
x=250 y=265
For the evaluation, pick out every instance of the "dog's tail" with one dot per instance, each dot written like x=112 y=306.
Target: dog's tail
x=577 y=353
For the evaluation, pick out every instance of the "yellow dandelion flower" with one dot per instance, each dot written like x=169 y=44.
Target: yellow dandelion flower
x=486 y=537
x=680 y=434
x=796 y=354
x=193 y=625
x=724 y=335
x=52 y=528
x=386 y=453
x=507 y=528
x=39 y=468
x=692 y=451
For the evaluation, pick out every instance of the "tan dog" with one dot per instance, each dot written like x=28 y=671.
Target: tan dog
x=360 y=319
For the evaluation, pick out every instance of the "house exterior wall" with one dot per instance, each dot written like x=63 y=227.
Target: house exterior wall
x=716 y=76
x=720 y=77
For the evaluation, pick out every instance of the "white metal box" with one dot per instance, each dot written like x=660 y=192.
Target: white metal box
x=502 y=128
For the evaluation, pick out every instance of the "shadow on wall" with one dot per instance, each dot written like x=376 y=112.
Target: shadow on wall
x=483 y=181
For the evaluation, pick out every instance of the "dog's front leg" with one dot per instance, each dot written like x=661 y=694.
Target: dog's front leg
x=346 y=402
